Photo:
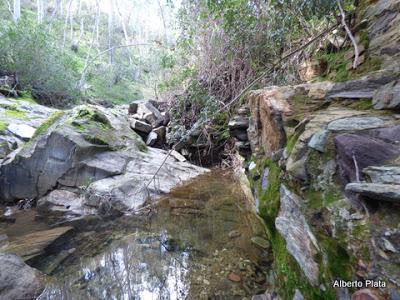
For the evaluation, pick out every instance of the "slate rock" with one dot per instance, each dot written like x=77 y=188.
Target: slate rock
x=300 y=241
x=388 y=96
x=140 y=126
x=383 y=174
x=377 y=191
x=366 y=149
x=356 y=123
x=17 y=279
x=318 y=140
x=23 y=131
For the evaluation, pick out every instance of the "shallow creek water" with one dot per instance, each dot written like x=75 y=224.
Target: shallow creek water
x=201 y=241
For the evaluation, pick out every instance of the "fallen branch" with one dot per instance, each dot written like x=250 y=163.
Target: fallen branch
x=356 y=168
x=348 y=31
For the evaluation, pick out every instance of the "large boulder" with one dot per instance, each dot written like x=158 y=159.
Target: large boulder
x=18 y=280
x=268 y=108
x=79 y=150
x=357 y=151
x=131 y=190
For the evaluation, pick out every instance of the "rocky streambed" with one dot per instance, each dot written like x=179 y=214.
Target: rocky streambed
x=83 y=216
x=202 y=240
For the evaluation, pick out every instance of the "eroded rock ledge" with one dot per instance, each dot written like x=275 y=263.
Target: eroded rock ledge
x=325 y=171
x=82 y=161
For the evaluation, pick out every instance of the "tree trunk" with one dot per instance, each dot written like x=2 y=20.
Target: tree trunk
x=17 y=10
x=40 y=10
x=66 y=23
x=110 y=30
x=124 y=30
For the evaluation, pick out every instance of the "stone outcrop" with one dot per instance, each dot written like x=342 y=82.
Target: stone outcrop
x=18 y=280
x=149 y=122
x=388 y=96
x=336 y=145
x=379 y=191
x=300 y=241
x=339 y=153
x=88 y=148
x=266 y=125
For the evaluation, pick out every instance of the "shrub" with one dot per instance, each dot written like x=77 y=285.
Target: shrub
x=43 y=68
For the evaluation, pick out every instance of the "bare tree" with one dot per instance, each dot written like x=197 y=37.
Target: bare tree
x=54 y=14
x=66 y=22
x=40 y=10
x=17 y=10
x=121 y=17
x=110 y=30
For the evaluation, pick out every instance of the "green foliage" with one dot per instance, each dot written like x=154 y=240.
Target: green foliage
x=195 y=105
x=3 y=126
x=364 y=104
x=43 y=69
x=336 y=66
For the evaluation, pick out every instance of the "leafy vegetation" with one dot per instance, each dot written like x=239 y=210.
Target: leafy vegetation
x=43 y=69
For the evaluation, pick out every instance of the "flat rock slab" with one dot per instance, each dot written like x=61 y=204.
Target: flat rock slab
x=17 y=279
x=22 y=131
x=383 y=174
x=377 y=191
x=357 y=123
x=300 y=241
x=33 y=244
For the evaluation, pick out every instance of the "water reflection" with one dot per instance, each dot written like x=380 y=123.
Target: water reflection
x=135 y=268
x=200 y=234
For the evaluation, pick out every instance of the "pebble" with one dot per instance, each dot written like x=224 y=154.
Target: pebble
x=234 y=277
x=234 y=234
x=263 y=243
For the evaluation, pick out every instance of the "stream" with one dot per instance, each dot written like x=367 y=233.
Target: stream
x=201 y=241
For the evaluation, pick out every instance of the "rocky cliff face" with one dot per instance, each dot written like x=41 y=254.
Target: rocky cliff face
x=81 y=161
x=325 y=170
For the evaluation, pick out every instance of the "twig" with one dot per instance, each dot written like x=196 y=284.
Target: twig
x=356 y=167
x=348 y=31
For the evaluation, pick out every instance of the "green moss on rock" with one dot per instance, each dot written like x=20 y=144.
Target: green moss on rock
x=14 y=112
x=3 y=126
x=50 y=121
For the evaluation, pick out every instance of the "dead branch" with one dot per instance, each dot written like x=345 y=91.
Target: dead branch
x=348 y=31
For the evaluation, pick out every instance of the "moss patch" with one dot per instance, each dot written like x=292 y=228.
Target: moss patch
x=27 y=97
x=364 y=104
x=14 y=112
x=50 y=121
x=3 y=126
